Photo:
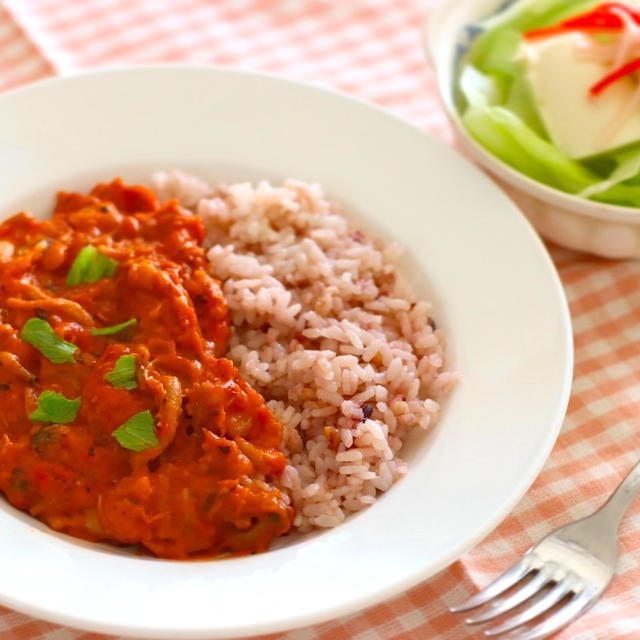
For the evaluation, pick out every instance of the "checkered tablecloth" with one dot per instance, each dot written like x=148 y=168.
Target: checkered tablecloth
x=372 y=48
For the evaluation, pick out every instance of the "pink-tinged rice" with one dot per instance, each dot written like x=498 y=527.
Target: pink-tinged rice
x=325 y=328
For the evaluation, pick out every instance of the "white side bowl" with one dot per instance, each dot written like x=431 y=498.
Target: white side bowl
x=606 y=230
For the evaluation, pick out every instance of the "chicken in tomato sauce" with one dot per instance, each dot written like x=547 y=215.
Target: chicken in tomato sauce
x=121 y=419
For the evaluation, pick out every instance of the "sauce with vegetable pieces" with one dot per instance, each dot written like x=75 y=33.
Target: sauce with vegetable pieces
x=120 y=420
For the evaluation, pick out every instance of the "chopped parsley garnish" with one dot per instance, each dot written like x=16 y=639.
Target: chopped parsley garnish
x=107 y=331
x=56 y=408
x=123 y=373
x=137 y=433
x=90 y=266
x=38 y=333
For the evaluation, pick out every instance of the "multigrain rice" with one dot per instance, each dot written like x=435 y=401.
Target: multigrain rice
x=327 y=330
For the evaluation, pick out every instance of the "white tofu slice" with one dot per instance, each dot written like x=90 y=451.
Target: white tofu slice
x=579 y=124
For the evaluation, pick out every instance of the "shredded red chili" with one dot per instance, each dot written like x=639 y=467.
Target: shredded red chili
x=614 y=76
x=202 y=485
x=601 y=18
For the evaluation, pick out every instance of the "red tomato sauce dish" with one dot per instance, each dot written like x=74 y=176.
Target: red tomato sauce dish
x=121 y=420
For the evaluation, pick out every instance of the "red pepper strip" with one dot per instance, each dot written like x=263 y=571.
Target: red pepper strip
x=602 y=18
x=614 y=76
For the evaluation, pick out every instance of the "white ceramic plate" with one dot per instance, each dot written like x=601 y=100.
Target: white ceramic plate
x=495 y=291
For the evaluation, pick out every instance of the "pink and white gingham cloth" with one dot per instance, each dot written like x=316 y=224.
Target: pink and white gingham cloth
x=372 y=48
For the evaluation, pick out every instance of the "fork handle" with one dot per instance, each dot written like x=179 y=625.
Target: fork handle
x=620 y=500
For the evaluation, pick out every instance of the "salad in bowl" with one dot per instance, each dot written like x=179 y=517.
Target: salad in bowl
x=555 y=95
x=546 y=95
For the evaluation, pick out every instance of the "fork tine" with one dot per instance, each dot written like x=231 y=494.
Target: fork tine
x=500 y=584
x=523 y=593
x=561 y=618
x=538 y=608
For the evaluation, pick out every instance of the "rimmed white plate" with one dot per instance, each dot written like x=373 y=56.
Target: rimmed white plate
x=470 y=250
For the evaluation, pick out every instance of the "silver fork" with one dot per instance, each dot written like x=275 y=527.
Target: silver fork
x=569 y=568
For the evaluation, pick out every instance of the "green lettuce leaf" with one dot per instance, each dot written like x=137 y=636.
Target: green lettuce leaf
x=510 y=139
x=628 y=168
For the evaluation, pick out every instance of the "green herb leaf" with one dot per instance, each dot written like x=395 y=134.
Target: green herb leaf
x=107 y=331
x=90 y=266
x=38 y=333
x=137 y=433
x=124 y=373
x=54 y=407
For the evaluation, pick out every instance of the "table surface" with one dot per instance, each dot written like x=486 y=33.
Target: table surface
x=372 y=49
